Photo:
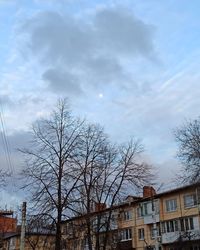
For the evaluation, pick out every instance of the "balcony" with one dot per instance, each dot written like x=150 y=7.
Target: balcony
x=125 y=245
x=180 y=236
x=149 y=219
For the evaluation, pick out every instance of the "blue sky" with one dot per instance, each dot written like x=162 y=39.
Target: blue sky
x=132 y=66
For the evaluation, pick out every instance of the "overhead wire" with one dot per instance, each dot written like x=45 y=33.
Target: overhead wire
x=6 y=144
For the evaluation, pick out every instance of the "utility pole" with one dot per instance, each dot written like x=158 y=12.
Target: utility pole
x=23 y=226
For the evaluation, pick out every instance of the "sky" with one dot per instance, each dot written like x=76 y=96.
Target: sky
x=132 y=66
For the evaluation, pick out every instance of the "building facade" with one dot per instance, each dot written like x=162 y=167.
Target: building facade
x=164 y=221
x=7 y=222
x=33 y=241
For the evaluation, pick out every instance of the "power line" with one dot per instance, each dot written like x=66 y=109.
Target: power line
x=6 y=144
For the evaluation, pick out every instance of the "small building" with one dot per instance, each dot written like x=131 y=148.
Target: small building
x=36 y=237
x=33 y=241
x=7 y=222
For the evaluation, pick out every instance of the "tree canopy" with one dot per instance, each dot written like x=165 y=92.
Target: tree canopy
x=71 y=165
x=188 y=139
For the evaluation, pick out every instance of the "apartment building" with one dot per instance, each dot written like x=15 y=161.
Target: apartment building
x=179 y=218
x=163 y=221
x=102 y=224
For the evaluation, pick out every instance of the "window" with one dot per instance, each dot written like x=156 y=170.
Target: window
x=190 y=200
x=187 y=224
x=127 y=215
x=69 y=229
x=12 y=242
x=113 y=221
x=85 y=245
x=147 y=208
x=150 y=248
x=171 y=205
x=155 y=231
x=170 y=226
x=141 y=234
x=126 y=234
x=101 y=239
x=75 y=244
x=195 y=247
x=142 y=209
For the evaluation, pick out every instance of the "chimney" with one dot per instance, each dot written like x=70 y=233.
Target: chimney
x=148 y=191
x=99 y=207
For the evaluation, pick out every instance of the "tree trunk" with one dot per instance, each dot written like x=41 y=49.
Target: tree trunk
x=59 y=212
x=58 y=235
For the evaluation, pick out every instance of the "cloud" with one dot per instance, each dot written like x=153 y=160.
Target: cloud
x=122 y=33
x=5 y=99
x=89 y=51
x=16 y=140
x=63 y=79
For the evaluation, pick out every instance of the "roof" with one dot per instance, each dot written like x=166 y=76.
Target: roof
x=125 y=204
x=11 y=235
x=135 y=201
x=6 y=212
x=178 y=189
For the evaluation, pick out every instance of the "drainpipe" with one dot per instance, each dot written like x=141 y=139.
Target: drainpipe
x=155 y=230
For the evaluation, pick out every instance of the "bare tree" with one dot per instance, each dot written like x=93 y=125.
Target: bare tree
x=4 y=175
x=72 y=166
x=39 y=230
x=107 y=172
x=188 y=139
x=186 y=240
x=49 y=174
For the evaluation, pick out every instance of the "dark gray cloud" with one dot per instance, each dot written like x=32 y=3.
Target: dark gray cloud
x=56 y=38
x=16 y=140
x=122 y=33
x=5 y=100
x=61 y=78
x=12 y=161
x=77 y=53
